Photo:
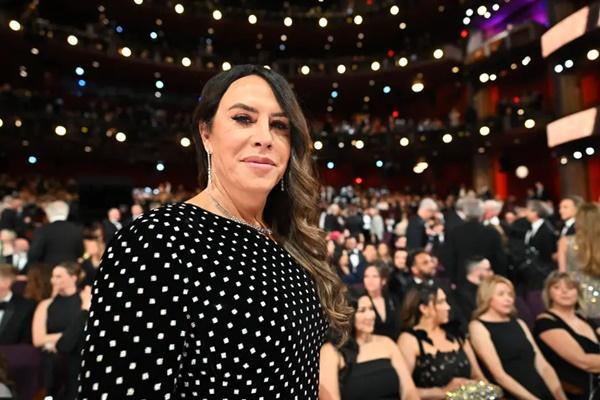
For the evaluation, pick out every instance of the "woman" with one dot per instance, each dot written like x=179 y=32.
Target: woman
x=506 y=346
x=387 y=309
x=580 y=254
x=383 y=254
x=438 y=361
x=229 y=294
x=568 y=341
x=400 y=277
x=341 y=263
x=94 y=248
x=367 y=366
x=52 y=317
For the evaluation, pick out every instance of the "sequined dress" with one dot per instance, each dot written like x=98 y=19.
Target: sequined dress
x=589 y=298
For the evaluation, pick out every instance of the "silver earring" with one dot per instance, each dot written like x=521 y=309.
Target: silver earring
x=209 y=170
x=282 y=185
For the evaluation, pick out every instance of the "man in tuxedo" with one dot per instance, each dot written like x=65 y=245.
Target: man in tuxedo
x=470 y=239
x=112 y=224
x=454 y=217
x=12 y=217
x=19 y=257
x=416 y=232
x=478 y=268
x=567 y=210
x=136 y=211
x=16 y=312
x=58 y=241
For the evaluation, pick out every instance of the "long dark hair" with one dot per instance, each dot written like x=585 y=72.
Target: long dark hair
x=291 y=214
x=420 y=295
x=349 y=348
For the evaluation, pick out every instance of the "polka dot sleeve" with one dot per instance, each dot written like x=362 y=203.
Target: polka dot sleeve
x=135 y=334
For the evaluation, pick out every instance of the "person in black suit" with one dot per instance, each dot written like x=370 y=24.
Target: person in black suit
x=136 y=211
x=478 y=268
x=470 y=239
x=567 y=210
x=112 y=224
x=454 y=217
x=16 y=312
x=416 y=232
x=13 y=217
x=58 y=241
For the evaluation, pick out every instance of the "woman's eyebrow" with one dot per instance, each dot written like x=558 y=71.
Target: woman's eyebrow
x=254 y=110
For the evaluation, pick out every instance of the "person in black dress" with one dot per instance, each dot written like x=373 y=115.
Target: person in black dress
x=506 y=346
x=438 y=360
x=569 y=342
x=386 y=306
x=52 y=317
x=367 y=366
x=229 y=294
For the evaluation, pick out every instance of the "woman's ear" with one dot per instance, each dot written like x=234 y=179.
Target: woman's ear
x=205 y=136
x=424 y=310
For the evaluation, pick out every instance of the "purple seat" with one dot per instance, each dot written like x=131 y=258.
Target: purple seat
x=24 y=368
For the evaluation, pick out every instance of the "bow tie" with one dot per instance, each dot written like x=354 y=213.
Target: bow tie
x=3 y=305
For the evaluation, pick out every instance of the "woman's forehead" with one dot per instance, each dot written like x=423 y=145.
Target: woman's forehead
x=251 y=91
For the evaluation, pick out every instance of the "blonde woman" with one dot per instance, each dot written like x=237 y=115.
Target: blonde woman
x=506 y=347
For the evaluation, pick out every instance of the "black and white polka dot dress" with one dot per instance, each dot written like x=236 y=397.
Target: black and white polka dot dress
x=190 y=305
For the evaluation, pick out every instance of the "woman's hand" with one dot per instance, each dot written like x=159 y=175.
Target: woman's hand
x=86 y=298
x=455 y=383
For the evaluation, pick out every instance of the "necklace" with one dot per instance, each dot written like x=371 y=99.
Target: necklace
x=261 y=229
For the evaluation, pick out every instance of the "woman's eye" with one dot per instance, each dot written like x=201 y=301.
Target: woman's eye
x=280 y=125
x=242 y=119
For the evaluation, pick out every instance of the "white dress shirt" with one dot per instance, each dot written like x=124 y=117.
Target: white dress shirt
x=535 y=226
x=6 y=299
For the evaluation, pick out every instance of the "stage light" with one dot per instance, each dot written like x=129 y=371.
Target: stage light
x=358 y=180
x=526 y=60
x=329 y=109
x=529 y=123
x=82 y=82
x=305 y=70
x=366 y=99
x=403 y=62
x=160 y=166
x=495 y=7
x=402 y=25
x=341 y=69
x=35 y=51
x=330 y=165
x=159 y=84
x=417 y=86
x=466 y=20
x=493 y=77
x=121 y=137
x=18 y=123
x=318 y=145
x=564 y=160
x=522 y=172
x=60 y=130
x=157 y=94
x=481 y=150
x=14 y=25
x=577 y=155
x=217 y=15
x=358 y=19
x=387 y=89
x=87 y=149
x=359 y=144
x=455 y=70
x=287 y=21
x=379 y=164
x=569 y=64
x=375 y=66
x=334 y=94
x=558 y=68
x=513 y=66
x=447 y=138
x=186 y=62
x=138 y=2
x=464 y=33
x=483 y=78
x=484 y=130
x=481 y=10
x=593 y=54
x=283 y=38
x=1 y=122
x=322 y=22
x=179 y=9
x=119 y=29
x=469 y=12
x=589 y=151
x=404 y=142
x=125 y=51
x=153 y=35
x=438 y=53
x=32 y=159
x=394 y=10
x=79 y=71
x=185 y=142
x=341 y=145
x=226 y=66
x=252 y=19
x=487 y=15
x=72 y=40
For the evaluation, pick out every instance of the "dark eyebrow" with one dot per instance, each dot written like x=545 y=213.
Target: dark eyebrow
x=254 y=110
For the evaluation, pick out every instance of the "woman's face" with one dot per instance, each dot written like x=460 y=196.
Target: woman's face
x=400 y=259
x=372 y=280
x=562 y=294
x=441 y=307
x=344 y=260
x=503 y=299
x=250 y=137
x=383 y=250
x=364 y=319
x=61 y=280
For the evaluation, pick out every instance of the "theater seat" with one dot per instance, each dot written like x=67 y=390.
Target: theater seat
x=24 y=368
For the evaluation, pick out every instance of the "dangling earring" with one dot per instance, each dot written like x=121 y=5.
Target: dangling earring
x=282 y=185
x=209 y=170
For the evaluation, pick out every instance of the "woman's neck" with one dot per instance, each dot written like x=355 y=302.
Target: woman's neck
x=68 y=292
x=566 y=312
x=428 y=324
x=243 y=206
x=363 y=337
x=376 y=294
x=493 y=315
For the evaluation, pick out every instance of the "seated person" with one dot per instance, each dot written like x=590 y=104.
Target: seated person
x=16 y=312
x=438 y=361
x=506 y=346
x=567 y=340
x=478 y=268
x=386 y=306
x=367 y=366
